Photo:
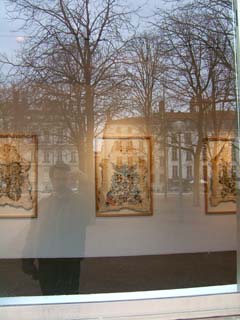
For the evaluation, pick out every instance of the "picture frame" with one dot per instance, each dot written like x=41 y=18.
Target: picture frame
x=18 y=175
x=219 y=175
x=123 y=171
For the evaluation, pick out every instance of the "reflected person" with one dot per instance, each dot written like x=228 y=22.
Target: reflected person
x=59 y=236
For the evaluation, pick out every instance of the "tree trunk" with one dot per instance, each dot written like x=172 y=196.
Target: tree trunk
x=81 y=157
x=90 y=134
x=196 y=182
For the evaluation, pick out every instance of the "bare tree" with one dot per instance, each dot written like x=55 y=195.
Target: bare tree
x=73 y=54
x=144 y=71
x=213 y=17
x=197 y=72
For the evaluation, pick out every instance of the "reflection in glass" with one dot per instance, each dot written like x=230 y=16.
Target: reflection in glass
x=134 y=117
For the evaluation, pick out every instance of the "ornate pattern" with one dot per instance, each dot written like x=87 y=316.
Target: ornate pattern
x=17 y=175
x=125 y=189
x=123 y=177
x=220 y=176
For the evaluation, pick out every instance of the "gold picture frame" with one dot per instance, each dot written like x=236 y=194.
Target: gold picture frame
x=18 y=175
x=219 y=176
x=123 y=171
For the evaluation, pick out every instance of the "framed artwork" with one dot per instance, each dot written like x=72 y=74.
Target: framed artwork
x=18 y=176
x=219 y=176
x=123 y=176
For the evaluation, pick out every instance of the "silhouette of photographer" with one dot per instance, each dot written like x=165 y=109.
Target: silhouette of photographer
x=58 y=232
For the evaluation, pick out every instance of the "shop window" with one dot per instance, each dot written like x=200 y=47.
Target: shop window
x=117 y=163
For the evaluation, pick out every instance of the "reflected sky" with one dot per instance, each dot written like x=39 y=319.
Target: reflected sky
x=9 y=34
x=11 y=38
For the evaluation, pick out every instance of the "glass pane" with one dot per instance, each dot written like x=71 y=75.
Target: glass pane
x=118 y=146
x=236 y=153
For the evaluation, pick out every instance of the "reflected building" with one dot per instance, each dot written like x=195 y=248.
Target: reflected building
x=175 y=138
x=54 y=147
x=54 y=140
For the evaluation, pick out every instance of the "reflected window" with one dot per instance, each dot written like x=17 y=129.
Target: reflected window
x=60 y=136
x=174 y=154
x=188 y=138
x=46 y=137
x=188 y=155
x=59 y=156
x=189 y=173
x=174 y=172
x=174 y=138
x=46 y=156
x=73 y=156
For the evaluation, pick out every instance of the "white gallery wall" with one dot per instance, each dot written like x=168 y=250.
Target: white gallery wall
x=168 y=231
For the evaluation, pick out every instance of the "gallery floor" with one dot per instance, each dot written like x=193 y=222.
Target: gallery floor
x=119 y=274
